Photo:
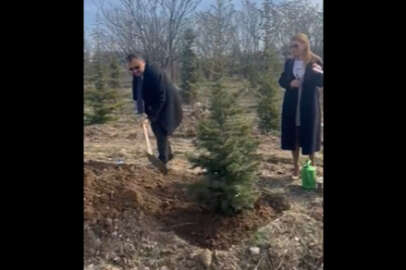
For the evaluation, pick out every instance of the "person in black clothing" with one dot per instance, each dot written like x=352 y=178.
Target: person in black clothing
x=301 y=114
x=157 y=97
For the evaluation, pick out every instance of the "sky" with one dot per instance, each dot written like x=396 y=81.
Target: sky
x=90 y=10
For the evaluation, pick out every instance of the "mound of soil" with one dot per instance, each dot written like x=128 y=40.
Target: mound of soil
x=111 y=190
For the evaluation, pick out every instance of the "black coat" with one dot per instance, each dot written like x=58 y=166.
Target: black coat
x=310 y=112
x=161 y=99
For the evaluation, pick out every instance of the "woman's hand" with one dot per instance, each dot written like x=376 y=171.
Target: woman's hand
x=317 y=68
x=295 y=83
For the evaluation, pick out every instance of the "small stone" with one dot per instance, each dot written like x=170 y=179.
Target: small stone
x=109 y=225
x=89 y=267
x=192 y=255
x=219 y=253
x=317 y=213
x=111 y=267
x=97 y=242
x=164 y=268
x=255 y=250
x=206 y=257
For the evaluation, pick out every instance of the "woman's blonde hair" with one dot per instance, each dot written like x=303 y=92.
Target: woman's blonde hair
x=309 y=56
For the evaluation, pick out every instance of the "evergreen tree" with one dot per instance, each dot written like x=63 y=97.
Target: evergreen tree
x=100 y=100
x=189 y=68
x=268 y=109
x=86 y=61
x=227 y=154
x=99 y=81
x=114 y=73
x=269 y=93
x=253 y=67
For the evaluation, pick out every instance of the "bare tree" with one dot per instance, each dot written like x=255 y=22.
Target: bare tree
x=292 y=17
x=250 y=23
x=268 y=25
x=236 y=39
x=216 y=33
x=316 y=34
x=249 y=33
x=151 y=27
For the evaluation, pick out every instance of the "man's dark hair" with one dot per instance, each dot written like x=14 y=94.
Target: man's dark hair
x=130 y=57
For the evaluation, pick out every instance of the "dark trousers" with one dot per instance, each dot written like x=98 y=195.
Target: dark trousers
x=164 y=147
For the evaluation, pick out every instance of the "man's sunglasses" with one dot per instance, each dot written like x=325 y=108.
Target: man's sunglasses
x=295 y=46
x=134 y=68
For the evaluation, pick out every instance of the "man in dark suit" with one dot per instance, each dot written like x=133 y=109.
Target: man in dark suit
x=155 y=96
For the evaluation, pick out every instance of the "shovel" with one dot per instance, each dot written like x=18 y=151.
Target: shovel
x=154 y=161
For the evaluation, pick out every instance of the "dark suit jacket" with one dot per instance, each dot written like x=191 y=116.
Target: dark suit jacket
x=161 y=99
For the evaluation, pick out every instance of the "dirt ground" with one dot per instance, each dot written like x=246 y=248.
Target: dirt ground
x=136 y=218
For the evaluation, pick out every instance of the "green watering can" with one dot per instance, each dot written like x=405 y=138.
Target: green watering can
x=308 y=176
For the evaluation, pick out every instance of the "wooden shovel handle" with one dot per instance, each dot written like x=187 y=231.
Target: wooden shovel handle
x=144 y=125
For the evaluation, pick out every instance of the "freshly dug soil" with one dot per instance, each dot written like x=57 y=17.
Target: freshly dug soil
x=113 y=189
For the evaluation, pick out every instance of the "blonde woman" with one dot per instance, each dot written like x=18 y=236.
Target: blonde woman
x=301 y=113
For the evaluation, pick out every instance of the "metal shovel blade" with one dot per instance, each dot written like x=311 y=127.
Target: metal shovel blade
x=157 y=163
